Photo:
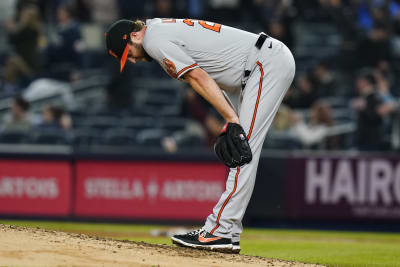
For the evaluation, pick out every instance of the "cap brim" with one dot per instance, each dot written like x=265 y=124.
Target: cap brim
x=124 y=57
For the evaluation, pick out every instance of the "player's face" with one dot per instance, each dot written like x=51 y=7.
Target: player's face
x=137 y=53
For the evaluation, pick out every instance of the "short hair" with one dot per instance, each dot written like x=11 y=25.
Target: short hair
x=138 y=25
x=21 y=102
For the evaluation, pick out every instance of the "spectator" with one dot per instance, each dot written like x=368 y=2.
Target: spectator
x=23 y=63
x=387 y=72
x=276 y=18
x=15 y=76
x=63 y=56
x=344 y=17
x=371 y=111
x=303 y=94
x=24 y=35
x=324 y=80
x=279 y=30
x=54 y=118
x=383 y=86
x=376 y=46
x=283 y=120
x=317 y=129
x=19 y=118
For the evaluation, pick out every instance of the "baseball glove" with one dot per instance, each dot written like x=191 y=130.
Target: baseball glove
x=232 y=146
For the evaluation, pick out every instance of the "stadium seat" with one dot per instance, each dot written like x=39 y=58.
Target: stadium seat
x=151 y=137
x=281 y=140
x=173 y=124
x=85 y=137
x=119 y=137
x=101 y=123
x=192 y=141
x=11 y=137
x=51 y=137
x=138 y=123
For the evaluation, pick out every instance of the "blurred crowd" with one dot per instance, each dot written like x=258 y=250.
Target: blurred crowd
x=348 y=99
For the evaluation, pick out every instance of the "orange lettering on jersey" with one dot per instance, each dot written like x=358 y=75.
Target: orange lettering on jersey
x=216 y=27
x=170 y=67
x=188 y=22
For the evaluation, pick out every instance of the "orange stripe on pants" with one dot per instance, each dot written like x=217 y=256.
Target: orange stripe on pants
x=248 y=138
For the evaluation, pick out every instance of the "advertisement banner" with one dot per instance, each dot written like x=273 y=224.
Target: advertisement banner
x=149 y=190
x=30 y=187
x=343 y=188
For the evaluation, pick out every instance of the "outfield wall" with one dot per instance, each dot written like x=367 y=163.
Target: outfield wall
x=295 y=186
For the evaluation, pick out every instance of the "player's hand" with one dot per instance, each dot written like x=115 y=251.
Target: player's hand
x=232 y=146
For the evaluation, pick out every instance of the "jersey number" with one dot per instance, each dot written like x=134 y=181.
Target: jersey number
x=215 y=27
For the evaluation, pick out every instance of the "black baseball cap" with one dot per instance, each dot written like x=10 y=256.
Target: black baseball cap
x=117 y=37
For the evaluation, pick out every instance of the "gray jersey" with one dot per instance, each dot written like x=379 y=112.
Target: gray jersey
x=181 y=45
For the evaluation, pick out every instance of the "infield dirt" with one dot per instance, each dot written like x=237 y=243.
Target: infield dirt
x=26 y=247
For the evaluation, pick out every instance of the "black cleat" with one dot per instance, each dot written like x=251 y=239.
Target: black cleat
x=201 y=239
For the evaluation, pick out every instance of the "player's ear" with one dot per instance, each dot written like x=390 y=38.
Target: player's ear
x=134 y=36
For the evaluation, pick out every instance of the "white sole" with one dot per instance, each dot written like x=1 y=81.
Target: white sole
x=225 y=247
x=235 y=249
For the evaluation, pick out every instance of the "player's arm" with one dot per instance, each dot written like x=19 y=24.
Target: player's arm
x=205 y=86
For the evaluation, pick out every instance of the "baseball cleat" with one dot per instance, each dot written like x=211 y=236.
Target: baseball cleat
x=235 y=247
x=201 y=239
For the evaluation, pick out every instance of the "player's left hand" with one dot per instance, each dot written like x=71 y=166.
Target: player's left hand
x=232 y=146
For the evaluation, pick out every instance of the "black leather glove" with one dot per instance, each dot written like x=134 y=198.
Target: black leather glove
x=232 y=146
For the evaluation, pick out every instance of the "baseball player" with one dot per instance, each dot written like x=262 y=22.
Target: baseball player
x=214 y=59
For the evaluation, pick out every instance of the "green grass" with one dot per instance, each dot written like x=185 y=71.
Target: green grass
x=332 y=248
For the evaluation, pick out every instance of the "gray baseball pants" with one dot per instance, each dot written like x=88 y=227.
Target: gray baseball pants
x=272 y=70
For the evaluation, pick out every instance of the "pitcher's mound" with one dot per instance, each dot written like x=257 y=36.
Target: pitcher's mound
x=25 y=247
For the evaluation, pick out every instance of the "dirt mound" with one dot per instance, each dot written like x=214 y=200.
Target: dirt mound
x=37 y=247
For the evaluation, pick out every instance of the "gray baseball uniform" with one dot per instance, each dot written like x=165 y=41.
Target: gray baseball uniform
x=231 y=58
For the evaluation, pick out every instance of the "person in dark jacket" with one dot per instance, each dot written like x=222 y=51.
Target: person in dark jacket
x=371 y=112
x=64 y=54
